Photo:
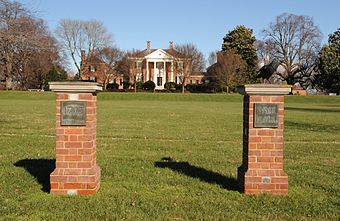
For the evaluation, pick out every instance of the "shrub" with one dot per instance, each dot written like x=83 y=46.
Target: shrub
x=139 y=85
x=149 y=86
x=178 y=87
x=211 y=87
x=201 y=88
x=126 y=84
x=170 y=86
x=112 y=87
x=188 y=87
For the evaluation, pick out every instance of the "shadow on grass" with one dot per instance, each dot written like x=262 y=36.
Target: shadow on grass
x=40 y=169
x=321 y=110
x=187 y=169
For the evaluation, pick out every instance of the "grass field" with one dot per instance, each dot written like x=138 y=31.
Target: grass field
x=201 y=133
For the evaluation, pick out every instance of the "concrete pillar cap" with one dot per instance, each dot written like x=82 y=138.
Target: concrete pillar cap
x=75 y=86
x=264 y=89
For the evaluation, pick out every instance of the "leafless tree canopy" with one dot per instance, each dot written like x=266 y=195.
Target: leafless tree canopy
x=229 y=71
x=27 y=49
x=78 y=35
x=110 y=56
x=265 y=51
x=192 y=53
x=294 y=40
x=212 y=59
x=193 y=61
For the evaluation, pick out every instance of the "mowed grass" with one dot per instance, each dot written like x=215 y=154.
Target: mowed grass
x=168 y=157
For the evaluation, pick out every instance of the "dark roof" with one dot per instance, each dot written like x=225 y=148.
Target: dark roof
x=146 y=52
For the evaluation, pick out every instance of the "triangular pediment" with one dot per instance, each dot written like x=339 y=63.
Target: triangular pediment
x=159 y=54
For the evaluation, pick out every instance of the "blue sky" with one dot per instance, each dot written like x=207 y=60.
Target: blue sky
x=202 y=22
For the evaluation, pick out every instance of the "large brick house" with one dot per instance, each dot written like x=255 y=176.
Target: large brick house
x=94 y=69
x=157 y=65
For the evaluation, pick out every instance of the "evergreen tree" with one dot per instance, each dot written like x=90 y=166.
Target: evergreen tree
x=241 y=39
x=55 y=74
x=329 y=64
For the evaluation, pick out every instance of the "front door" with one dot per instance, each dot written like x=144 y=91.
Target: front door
x=159 y=75
x=159 y=81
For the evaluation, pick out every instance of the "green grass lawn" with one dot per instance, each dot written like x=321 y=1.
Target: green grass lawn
x=201 y=133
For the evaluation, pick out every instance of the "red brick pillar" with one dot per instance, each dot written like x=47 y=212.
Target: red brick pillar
x=262 y=167
x=76 y=172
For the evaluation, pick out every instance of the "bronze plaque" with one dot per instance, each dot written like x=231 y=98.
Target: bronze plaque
x=73 y=113
x=266 y=115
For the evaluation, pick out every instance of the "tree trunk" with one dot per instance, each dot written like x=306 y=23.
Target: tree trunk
x=9 y=70
x=183 y=88
x=135 y=87
x=105 y=85
x=8 y=83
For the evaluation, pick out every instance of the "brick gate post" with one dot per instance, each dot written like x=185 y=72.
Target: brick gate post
x=262 y=169
x=76 y=172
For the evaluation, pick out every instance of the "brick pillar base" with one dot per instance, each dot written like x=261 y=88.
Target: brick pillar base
x=262 y=167
x=77 y=172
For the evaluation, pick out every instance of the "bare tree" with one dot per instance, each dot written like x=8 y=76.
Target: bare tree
x=27 y=48
x=193 y=61
x=78 y=35
x=96 y=36
x=10 y=13
x=296 y=40
x=127 y=67
x=212 y=59
x=110 y=56
x=265 y=51
x=69 y=34
x=229 y=71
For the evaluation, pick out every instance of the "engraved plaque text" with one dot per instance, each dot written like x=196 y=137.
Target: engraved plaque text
x=73 y=113
x=266 y=115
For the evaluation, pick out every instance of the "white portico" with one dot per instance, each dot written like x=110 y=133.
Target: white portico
x=159 y=68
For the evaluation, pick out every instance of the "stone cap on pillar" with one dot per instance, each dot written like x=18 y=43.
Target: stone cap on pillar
x=264 y=89
x=75 y=86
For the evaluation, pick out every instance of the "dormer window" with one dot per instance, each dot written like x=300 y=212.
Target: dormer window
x=159 y=65
x=180 y=65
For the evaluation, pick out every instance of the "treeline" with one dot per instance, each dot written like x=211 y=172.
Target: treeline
x=290 y=52
x=28 y=51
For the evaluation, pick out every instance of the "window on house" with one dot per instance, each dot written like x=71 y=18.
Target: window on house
x=139 y=65
x=92 y=78
x=193 y=81
x=92 y=68
x=180 y=65
x=160 y=65
x=139 y=77
x=206 y=81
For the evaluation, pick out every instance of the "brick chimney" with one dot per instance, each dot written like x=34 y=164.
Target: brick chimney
x=148 y=45
x=171 y=45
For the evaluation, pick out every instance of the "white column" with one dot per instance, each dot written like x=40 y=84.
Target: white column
x=164 y=73
x=172 y=72
x=154 y=73
x=147 y=71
